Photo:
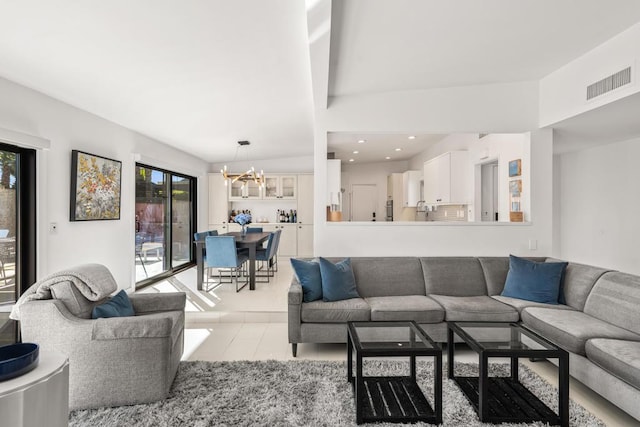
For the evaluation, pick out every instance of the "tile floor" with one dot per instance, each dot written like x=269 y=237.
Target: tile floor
x=252 y=325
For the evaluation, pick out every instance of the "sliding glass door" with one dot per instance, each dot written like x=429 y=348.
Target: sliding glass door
x=8 y=226
x=165 y=218
x=17 y=231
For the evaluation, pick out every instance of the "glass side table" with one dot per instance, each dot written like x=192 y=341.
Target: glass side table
x=393 y=398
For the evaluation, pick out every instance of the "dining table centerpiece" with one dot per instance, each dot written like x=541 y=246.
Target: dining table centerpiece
x=243 y=219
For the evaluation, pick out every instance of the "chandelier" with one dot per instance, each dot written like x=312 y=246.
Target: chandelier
x=249 y=176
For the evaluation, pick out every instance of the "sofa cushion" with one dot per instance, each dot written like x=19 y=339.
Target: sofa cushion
x=338 y=281
x=117 y=306
x=619 y=357
x=571 y=329
x=534 y=281
x=478 y=308
x=386 y=276
x=495 y=271
x=354 y=309
x=308 y=275
x=577 y=283
x=615 y=298
x=521 y=304
x=419 y=308
x=73 y=299
x=456 y=276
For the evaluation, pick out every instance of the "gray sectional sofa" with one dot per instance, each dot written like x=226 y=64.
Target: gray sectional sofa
x=599 y=325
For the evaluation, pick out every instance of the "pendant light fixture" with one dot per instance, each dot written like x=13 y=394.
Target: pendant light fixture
x=249 y=176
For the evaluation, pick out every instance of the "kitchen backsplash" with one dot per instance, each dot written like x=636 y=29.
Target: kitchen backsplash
x=448 y=213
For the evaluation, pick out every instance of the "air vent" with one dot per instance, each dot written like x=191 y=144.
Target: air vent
x=331 y=155
x=610 y=83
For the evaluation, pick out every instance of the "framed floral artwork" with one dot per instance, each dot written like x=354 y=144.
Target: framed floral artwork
x=95 y=187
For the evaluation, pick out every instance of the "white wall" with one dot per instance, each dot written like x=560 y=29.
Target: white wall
x=563 y=93
x=107 y=242
x=369 y=173
x=599 y=205
x=287 y=165
x=504 y=148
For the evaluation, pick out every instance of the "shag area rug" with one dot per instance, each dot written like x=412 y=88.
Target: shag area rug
x=297 y=393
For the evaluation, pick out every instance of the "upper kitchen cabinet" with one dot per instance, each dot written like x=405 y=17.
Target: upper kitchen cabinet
x=244 y=190
x=445 y=178
x=411 y=188
x=280 y=187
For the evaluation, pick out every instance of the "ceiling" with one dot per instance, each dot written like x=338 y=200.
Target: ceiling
x=376 y=147
x=383 y=45
x=197 y=74
x=203 y=74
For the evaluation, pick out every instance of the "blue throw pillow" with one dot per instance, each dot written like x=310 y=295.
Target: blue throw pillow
x=534 y=281
x=118 y=306
x=338 y=281
x=308 y=274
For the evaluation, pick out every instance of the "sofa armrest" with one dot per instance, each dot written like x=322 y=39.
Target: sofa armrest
x=154 y=303
x=295 y=293
x=114 y=328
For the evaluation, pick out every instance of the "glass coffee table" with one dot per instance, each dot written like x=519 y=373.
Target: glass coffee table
x=392 y=398
x=505 y=399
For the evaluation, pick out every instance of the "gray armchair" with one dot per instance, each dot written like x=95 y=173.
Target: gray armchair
x=112 y=361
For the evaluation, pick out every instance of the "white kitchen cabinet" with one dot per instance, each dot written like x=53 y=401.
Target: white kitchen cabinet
x=411 y=188
x=305 y=240
x=288 y=237
x=244 y=191
x=305 y=199
x=445 y=179
x=221 y=228
x=218 y=202
x=280 y=187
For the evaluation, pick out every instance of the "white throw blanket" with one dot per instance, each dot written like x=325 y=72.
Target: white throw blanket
x=94 y=281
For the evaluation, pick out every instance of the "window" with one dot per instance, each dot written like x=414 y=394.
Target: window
x=164 y=221
x=17 y=231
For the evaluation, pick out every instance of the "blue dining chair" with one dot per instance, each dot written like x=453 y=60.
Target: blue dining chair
x=266 y=256
x=274 y=262
x=221 y=254
x=202 y=234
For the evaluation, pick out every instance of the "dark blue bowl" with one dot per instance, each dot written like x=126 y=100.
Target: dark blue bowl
x=17 y=359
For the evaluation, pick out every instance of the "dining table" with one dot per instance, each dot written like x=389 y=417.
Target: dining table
x=250 y=241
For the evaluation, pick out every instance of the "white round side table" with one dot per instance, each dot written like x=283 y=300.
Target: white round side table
x=39 y=397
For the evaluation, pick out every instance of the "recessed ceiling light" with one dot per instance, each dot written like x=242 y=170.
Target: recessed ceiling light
x=387 y=158
x=412 y=137
x=351 y=160
x=362 y=141
x=398 y=149
x=356 y=152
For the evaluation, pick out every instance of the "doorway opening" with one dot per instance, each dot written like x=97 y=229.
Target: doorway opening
x=489 y=190
x=364 y=199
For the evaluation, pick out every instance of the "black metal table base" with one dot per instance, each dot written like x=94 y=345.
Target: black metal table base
x=508 y=401
x=394 y=400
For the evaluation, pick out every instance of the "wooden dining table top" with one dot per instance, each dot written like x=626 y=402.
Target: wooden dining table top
x=248 y=238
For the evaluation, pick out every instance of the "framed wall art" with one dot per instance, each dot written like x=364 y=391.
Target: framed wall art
x=95 y=187
x=515 y=167
x=515 y=192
